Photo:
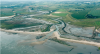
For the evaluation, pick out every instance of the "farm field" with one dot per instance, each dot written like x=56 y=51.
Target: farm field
x=95 y=13
x=79 y=14
x=85 y=22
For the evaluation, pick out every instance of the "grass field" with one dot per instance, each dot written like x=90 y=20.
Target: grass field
x=79 y=14
x=95 y=12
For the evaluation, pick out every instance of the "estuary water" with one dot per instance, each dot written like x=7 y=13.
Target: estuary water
x=20 y=44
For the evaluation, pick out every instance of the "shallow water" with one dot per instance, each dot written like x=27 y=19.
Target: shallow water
x=99 y=35
x=20 y=44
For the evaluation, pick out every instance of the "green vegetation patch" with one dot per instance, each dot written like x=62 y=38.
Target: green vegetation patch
x=16 y=24
x=11 y=26
x=80 y=14
x=99 y=48
x=87 y=22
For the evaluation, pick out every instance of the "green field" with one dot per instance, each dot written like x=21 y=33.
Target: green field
x=79 y=14
x=95 y=12
x=87 y=22
x=60 y=14
x=6 y=13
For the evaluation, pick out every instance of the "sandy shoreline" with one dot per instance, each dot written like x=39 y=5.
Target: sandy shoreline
x=77 y=41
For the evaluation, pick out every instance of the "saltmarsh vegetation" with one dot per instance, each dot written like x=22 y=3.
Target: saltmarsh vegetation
x=60 y=41
x=16 y=24
x=47 y=28
x=99 y=48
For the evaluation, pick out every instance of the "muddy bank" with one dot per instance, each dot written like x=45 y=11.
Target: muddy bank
x=79 y=31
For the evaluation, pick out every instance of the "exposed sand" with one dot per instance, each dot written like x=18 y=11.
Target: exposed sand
x=97 y=31
x=37 y=43
x=57 y=12
x=77 y=41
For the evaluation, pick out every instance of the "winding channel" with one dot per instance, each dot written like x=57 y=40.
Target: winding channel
x=71 y=40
